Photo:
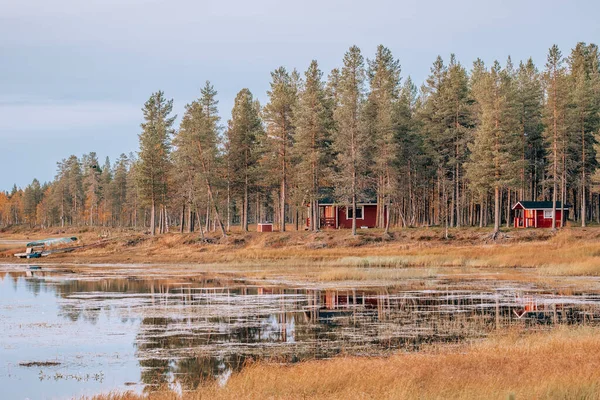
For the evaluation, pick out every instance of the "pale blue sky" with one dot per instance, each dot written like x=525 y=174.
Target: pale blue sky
x=75 y=73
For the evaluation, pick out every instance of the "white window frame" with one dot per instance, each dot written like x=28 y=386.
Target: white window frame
x=547 y=214
x=349 y=211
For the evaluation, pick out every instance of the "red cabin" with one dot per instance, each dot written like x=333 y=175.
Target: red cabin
x=538 y=214
x=338 y=216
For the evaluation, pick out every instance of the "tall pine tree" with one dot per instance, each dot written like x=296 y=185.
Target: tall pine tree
x=155 y=147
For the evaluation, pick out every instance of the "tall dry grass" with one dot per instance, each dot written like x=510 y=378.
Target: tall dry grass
x=563 y=363
x=569 y=252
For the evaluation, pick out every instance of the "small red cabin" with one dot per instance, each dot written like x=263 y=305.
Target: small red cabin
x=538 y=214
x=339 y=216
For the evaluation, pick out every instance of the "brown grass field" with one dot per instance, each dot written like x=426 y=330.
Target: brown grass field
x=572 y=251
x=560 y=364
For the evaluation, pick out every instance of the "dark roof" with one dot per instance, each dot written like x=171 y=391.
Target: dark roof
x=538 y=205
x=327 y=196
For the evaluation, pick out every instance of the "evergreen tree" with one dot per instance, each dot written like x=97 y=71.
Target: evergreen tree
x=118 y=190
x=243 y=135
x=583 y=116
x=32 y=196
x=199 y=134
x=414 y=163
x=555 y=118
x=278 y=114
x=92 y=185
x=495 y=160
x=106 y=176
x=380 y=121
x=350 y=141
x=155 y=147
x=530 y=104
x=312 y=122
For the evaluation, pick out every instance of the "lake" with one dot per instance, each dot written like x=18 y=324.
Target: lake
x=67 y=333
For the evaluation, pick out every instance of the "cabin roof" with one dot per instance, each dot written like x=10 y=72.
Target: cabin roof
x=327 y=197
x=327 y=201
x=358 y=203
x=538 y=205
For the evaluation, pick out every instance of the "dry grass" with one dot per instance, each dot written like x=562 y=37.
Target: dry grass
x=563 y=363
x=573 y=251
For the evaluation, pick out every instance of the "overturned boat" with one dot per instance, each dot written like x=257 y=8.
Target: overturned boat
x=42 y=248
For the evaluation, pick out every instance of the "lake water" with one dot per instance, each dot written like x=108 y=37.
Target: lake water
x=65 y=334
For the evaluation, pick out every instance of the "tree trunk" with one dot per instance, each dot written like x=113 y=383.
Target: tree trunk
x=152 y=218
x=198 y=216
x=555 y=153
x=354 y=215
x=508 y=210
x=246 y=205
x=182 y=221
x=583 y=210
x=282 y=203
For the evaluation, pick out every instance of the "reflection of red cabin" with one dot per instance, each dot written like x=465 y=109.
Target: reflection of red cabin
x=336 y=216
x=538 y=214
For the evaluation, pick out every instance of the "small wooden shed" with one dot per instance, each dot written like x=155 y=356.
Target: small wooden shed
x=264 y=227
x=538 y=214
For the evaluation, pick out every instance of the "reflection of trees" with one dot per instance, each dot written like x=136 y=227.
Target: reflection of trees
x=155 y=336
x=191 y=333
x=34 y=285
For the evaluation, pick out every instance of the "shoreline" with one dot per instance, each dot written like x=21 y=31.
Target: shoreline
x=571 y=251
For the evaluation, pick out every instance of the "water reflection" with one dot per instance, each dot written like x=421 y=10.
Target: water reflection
x=190 y=330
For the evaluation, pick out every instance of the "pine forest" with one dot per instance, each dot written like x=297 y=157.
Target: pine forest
x=459 y=150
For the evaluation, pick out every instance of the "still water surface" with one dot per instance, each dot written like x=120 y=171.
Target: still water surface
x=108 y=332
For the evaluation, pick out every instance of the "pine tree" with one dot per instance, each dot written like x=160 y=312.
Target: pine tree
x=69 y=196
x=118 y=190
x=92 y=185
x=278 y=115
x=155 y=147
x=583 y=116
x=555 y=113
x=106 y=177
x=32 y=196
x=312 y=119
x=435 y=132
x=384 y=81
x=199 y=135
x=243 y=135
x=530 y=103
x=456 y=110
x=350 y=142
x=133 y=199
x=495 y=160
x=414 y=157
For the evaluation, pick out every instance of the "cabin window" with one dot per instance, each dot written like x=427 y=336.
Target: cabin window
x=359 y=212
x=548 y=214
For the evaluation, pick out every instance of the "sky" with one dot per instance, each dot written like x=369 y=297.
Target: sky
x=74 y=74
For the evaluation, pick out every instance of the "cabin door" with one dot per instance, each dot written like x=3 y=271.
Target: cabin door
x=327 y=216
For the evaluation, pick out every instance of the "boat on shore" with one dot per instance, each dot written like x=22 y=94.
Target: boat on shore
x=42 y=248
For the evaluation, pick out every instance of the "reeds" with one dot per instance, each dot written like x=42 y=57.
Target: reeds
x=562 y=363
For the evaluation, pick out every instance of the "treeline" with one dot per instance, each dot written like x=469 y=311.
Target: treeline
x=457 y=151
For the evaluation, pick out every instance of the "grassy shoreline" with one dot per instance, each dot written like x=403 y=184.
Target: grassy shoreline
x=572 y=251
x=560 y=363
